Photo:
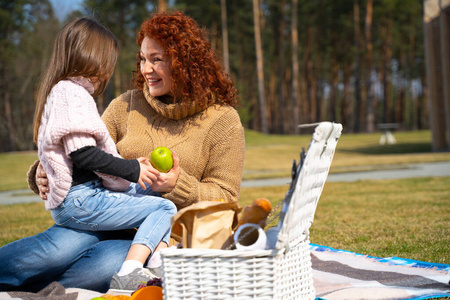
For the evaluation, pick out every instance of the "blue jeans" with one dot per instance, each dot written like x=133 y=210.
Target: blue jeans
x=75 y=258
x=89 y=206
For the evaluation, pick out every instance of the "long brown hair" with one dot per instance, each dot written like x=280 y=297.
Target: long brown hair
x=196 y=71
x=83 y=47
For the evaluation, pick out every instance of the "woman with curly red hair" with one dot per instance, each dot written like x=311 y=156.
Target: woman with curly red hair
x=195 y=69
x=185 y=101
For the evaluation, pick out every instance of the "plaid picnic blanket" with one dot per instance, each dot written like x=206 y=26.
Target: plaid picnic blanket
x=340 y=274
x=337 y=274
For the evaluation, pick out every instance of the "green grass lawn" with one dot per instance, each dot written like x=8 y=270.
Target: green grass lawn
x=269 y=156
x=407 y=218
x=13 y=169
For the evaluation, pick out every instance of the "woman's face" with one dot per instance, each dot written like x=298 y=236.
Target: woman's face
x=155 y=67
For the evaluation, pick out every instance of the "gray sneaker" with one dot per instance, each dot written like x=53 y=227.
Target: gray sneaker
x=131 y=282
x=156 y=272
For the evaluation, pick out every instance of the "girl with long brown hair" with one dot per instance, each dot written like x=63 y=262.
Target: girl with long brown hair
x=84 y=169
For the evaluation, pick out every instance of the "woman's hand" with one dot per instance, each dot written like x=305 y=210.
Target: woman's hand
x=42 y=182
x=166 y=181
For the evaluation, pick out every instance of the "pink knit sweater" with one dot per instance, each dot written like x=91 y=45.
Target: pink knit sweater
x=71 y=121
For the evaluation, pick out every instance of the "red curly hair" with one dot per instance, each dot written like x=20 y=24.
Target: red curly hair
x=196 y=71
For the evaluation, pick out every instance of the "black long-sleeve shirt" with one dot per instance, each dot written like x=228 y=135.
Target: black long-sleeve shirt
x=88 y=159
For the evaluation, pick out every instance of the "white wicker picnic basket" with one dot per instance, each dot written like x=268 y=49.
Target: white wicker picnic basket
x=281 y=273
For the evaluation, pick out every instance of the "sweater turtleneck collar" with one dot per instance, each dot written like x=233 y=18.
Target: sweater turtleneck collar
x=84 y=82
x=175 y=111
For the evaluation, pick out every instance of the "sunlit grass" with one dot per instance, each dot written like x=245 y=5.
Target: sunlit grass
x=269 y=156
x=13 y=169
x=408 y=218
x=21 y=220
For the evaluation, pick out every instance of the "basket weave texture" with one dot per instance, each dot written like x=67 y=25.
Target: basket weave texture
x=281 y=273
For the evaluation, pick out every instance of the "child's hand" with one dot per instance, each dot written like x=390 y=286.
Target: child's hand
x=148 y=174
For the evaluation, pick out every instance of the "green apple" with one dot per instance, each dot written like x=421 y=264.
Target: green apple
x=161 y=159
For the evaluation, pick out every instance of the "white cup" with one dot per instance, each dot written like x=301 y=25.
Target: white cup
x=250 y=237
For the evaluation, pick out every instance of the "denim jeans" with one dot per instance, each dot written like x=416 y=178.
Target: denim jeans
x=75 y=258
x=89 y=206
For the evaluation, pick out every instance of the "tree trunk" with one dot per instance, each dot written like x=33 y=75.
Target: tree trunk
x=334 y=76
x=346 y=111
x=281 y=72
x=313 y=90
x=413 y=100
x=162 y=5
x=311 y=81
x=215 y=40
x=118 y=70
x=400 y=99
x=386 y=37
x=295 y=67
x=7 y=111
x=320 y=45
x=422 y=104
x=310 y=111
x=226 y=56
x=272 y=103
x=304 y=83
x=238 y=41
x=370 y=112
x=260 y=67
x=357 y=72
x=9 y=121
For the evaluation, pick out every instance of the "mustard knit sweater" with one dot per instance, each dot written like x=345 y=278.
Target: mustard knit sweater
x=210 y=143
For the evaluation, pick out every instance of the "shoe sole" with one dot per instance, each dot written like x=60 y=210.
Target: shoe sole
x=121 y=292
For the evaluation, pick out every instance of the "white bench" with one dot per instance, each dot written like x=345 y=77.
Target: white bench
x=387 y=136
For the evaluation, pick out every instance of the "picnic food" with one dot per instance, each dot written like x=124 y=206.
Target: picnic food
x=155 y=282
x=264 y=204
x=148 y=293
x=161 y=159
x=256 y=213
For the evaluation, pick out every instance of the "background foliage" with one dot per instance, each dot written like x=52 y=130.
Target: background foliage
x=357 y=62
